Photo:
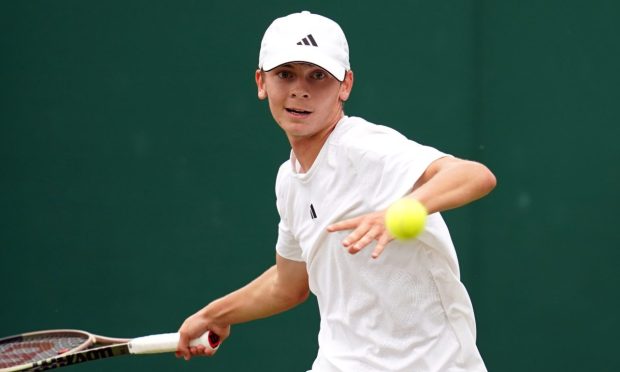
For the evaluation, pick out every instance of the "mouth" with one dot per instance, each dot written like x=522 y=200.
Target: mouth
x=298 y=112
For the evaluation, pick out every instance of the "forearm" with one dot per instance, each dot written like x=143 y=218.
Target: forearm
x=263 y=297
x=454 y=184
x=277 y=289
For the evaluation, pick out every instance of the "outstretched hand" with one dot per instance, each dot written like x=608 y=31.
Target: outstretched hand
x=366 y=229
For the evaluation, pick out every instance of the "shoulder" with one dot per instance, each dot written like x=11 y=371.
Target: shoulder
x=372 y=146
x=359 y=137
x=356 y=129
x=284 y=172
x=283 y=177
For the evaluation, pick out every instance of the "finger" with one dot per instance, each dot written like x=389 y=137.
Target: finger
x=364 y=240
x=182 y=347
x=356 y=235
x=344 y=225
x=209 y=351
x=381 y=243
x=206 y=349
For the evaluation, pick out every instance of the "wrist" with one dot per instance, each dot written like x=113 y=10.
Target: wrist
x=214 y=312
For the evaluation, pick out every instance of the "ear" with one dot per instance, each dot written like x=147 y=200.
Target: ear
x=346 y=86
x=260 y=84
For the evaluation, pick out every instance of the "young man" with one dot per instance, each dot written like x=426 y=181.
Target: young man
x=385 y=305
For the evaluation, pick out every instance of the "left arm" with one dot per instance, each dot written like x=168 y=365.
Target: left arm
x=450 y=183
x=447 y=183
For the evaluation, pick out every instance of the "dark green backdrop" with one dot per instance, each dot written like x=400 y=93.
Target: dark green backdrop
x=137 y=166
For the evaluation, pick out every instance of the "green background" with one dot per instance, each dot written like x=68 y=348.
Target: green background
x=137 y=166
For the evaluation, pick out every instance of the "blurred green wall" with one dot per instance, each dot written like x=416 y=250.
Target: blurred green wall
x=137 y=166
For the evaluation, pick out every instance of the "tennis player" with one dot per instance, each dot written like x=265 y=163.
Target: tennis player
x=385 y=304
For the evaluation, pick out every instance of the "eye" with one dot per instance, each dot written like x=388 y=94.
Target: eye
x=284 y=74
x=319 y=75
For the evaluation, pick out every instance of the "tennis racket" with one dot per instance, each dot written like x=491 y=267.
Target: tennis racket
x=43 y=350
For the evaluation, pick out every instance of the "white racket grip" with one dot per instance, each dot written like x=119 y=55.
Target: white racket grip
x=168 y=342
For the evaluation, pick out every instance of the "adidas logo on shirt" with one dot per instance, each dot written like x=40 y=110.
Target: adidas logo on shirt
x=308 y=40
x=312 y=212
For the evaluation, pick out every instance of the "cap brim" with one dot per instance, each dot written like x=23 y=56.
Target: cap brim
x=307 y=55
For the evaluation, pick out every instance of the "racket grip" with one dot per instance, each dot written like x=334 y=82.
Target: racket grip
x=168 y=343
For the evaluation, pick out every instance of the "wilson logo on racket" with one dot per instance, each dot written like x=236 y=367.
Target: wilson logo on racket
x=70 y=359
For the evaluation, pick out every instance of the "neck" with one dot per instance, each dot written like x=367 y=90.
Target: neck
x=307 y=149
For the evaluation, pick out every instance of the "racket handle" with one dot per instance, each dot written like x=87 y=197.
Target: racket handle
x=168 y=342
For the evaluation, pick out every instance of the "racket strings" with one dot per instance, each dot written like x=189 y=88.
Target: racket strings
x=23 y=350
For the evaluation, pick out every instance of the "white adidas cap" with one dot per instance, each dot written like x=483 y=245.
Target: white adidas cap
x=305 y=37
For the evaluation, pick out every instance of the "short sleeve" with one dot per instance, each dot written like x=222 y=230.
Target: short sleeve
x=286 y=246
x=389 y=163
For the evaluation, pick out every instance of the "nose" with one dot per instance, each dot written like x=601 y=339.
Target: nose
x=300 y=90
x=299 y=94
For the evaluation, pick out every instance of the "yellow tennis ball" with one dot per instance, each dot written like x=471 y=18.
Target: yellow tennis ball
x=405 y=219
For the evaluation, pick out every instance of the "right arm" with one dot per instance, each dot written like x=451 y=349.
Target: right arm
x=280 y=288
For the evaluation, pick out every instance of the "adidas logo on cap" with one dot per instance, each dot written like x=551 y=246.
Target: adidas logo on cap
x=308 y=40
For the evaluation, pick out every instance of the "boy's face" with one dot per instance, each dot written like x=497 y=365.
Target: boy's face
x=304 y=99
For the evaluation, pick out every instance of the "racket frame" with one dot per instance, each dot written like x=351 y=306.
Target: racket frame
x=96 y=347
x=92 y=348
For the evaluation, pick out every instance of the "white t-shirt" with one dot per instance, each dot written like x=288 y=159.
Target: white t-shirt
x=406 y=310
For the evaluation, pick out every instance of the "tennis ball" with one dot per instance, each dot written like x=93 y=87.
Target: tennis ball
x=405 y=219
